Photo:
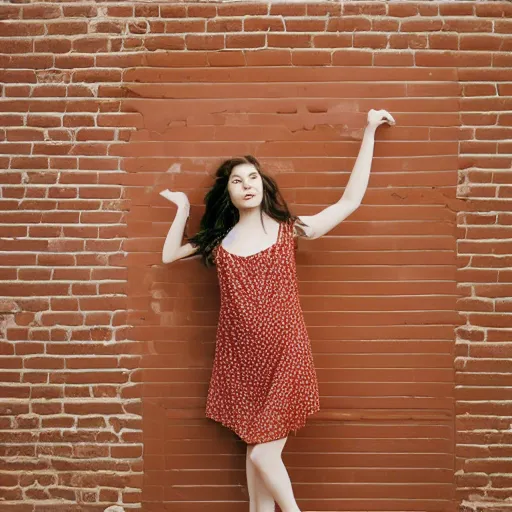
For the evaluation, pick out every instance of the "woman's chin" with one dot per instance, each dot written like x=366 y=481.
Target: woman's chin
x=249 y=204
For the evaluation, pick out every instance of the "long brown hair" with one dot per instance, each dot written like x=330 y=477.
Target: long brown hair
x=221 y=214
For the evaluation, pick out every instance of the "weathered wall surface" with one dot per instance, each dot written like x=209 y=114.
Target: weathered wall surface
x=106 y=353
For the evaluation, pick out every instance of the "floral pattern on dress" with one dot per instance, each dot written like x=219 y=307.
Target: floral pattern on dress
x=263 y=383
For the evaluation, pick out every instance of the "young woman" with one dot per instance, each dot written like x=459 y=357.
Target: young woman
x=263 y=382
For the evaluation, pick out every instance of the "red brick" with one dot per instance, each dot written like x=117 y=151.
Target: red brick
x=22 y=134
x=289 y=40
x=263 y=24
x=224 y=25
x=90 y=44
x=120 y=11
x=385 y=25
x=321 y=9
x=204 y=42
x=96 y=75
x=480 y=42
x=29 y=162
x=109 y=27
x=168 y=42
x=245 y=41
x=45 y=11
x=89 y=134
x=348 y=24
x=78 y=120
x=494 y=9
x=456 y=9
x=367 y=8
x=180 y=11
x=48 y=91
x=10 y=12
x=11 y=120
x=51 y=45
x=311 y=25
x=245 y=9
x=43 y=121
x=17 y=46
x=80 y=11
x=443 y=41
x=17 y=29
x=311 y=58
x=66 y=28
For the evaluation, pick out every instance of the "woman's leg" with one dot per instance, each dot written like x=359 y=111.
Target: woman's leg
x=267 y=459
x=260 y=499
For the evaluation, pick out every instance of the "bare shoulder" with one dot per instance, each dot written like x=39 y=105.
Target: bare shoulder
x=301 y=231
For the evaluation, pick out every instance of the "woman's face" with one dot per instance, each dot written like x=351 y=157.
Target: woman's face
x=245 y=179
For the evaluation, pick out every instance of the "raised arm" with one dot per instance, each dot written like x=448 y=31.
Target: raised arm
x=173 y=250
x=327 y=219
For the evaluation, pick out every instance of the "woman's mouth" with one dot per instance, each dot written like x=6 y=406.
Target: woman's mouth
x=248 y=196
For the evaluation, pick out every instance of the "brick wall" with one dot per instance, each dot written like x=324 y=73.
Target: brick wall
x=483 y=351
x=106 y=352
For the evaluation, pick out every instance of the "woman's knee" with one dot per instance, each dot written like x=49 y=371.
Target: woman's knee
x=258 y=456
x=264 y=453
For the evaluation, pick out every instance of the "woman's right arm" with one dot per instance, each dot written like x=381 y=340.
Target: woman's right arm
x=173 y=250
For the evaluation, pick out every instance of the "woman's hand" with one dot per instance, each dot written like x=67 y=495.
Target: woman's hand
x=378 y=117
x=180 y=199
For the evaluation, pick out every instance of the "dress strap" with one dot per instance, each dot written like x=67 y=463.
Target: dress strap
x=292 y=227
x=280 y=233
x=215 y=251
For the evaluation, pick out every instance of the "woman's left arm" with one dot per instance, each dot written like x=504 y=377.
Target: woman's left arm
x=327 y=219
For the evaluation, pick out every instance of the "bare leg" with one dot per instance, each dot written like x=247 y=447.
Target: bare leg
x=260 y=499
x=267 y=459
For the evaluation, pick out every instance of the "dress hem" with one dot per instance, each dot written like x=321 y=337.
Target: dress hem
x=265 y=439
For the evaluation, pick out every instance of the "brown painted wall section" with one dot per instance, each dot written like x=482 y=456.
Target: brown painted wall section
x=106 y=353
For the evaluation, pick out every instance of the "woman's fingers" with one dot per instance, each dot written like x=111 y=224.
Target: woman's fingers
x=166 y=193
x=378 y=117
x=178 y=198
x=170 y=196
x=388 y=117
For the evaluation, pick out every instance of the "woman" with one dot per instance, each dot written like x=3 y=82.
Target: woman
x=263 y=382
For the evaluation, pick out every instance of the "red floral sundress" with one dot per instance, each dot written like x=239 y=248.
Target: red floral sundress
x=263 y=383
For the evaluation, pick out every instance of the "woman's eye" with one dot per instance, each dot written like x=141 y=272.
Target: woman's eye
x=238 y=181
